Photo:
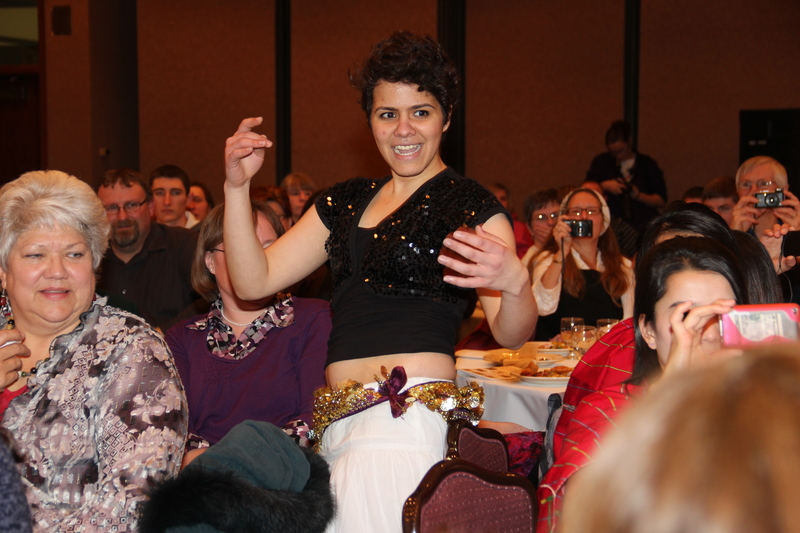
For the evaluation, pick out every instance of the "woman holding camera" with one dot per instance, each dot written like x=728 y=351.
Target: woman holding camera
x=581 y=271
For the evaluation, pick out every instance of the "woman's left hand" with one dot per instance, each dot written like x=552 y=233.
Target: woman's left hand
x=490 y=263
x=695 y=333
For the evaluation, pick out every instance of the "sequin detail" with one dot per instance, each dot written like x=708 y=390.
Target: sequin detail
x=401 y=258
x=443 y=397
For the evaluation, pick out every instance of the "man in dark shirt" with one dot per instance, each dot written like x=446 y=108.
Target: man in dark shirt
x=147 y=262
x=632 y=182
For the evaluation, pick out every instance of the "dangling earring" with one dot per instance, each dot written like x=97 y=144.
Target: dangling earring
x=5 y=308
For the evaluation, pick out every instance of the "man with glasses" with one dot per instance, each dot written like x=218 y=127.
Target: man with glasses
x=147 y=263
x=541 y=214
x=762 y=174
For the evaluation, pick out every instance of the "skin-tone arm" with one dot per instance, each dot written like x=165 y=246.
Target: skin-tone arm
x=501 y=280
x=256 y=273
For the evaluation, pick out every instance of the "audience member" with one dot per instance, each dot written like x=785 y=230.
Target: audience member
x=633 y=183
x=170 y=187
x=148 y=262
x=627 y=236
x=396 y=309
x=583 y=276
x=299 y=187
x=278 y=199
x=258 y=360
x=99 y=409
x=711 y=449
x=541 y=210
x=693 y=195
x=610 y=360
x=720 y=196
x=757 y=177
x=200 y=201
x=522 y=235
x=683 y=285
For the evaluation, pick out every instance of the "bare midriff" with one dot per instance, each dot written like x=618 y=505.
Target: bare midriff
x=421 y=364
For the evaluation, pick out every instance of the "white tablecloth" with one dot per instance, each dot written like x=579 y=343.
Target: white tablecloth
x=508 y=401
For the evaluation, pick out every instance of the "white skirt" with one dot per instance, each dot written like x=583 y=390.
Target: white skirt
x=377 y=461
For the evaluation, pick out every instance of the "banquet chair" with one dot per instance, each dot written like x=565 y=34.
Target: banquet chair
x=481 y=446
x=555 y=406
x=461 y=497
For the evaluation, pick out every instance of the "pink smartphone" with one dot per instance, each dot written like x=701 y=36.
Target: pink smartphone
x=751 y=324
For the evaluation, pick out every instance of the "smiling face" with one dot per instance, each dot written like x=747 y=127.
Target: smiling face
x=407 y=125
x=215 y=262
x=702 y=287
x=49 y=280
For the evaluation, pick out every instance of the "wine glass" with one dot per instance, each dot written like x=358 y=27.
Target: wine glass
x=567 y=323
x=604 y=325
x=582 y=338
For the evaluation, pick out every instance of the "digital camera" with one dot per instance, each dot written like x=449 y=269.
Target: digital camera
x=580 y=228
x=751 y=324
x=769 y=199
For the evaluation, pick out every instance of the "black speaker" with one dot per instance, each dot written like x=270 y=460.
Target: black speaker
x=775 y=133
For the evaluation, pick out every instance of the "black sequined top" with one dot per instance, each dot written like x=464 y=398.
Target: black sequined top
x=391 y=297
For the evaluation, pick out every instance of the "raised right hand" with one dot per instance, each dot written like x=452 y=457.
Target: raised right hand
x=244 y=153
x=10 y=362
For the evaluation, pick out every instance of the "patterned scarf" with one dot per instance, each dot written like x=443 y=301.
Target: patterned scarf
x=223 y=343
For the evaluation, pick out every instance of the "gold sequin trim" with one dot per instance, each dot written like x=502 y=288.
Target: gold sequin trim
x=443 y=397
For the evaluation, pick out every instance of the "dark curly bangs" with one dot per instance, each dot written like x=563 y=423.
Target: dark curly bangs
x=408 y=58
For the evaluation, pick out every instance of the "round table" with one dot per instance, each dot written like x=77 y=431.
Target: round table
x=509 y=401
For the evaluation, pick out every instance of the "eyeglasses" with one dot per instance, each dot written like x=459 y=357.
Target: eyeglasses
x=129 y=207
x=761 y=184
x=577 y=211
x=545 y=216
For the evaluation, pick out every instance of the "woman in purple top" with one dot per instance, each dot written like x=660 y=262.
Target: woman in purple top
x=259 y=359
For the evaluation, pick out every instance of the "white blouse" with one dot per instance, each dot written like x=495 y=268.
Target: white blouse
x=547 y=299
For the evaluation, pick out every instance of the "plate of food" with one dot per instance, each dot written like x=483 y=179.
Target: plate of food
x=556 y=375
x=553 y=348
x=504 y=373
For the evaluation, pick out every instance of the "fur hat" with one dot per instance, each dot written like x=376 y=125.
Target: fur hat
x=255 y=479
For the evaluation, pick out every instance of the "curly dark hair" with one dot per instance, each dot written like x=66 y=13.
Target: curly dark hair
x=408 y=58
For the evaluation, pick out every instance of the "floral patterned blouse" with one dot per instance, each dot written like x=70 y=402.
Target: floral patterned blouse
x=103 y=419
